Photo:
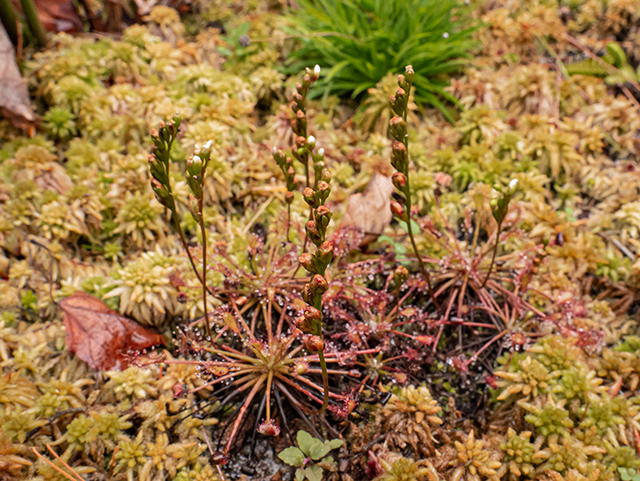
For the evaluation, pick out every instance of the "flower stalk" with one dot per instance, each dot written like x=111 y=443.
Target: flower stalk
x=310 y=322
x=499 y=210
x=400 y=161
x=159 y=166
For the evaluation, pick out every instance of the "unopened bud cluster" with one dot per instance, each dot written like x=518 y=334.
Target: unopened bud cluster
x=500 y=205
x=399 y=103
x=310 y=322
x=299 y=105
x=196 y=168
x=286 y=165
x=159 y=161
x=316 y=263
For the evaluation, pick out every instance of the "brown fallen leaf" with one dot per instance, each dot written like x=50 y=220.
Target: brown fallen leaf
x=100 y=336
x=56 y=15
x=14 y=96
x=369 y=212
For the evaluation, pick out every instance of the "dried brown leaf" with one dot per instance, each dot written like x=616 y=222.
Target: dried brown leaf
x=100 y=336
x=369 y=212
x=14 y=96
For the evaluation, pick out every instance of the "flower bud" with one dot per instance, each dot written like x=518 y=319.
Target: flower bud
x=398 y=128
x=300 y=141
x=311 y=142
x=399 y=156
x=288 y=197
x=318 y=286
x=307 y=261
x=162 y=194
x=320 y=153
x=312 y=314
x=409 y=74
x=397 y=209
x=399 y=181
x=314 y=344
x=309 y=196
x=304 y=324
x=316 y=72
x=402 y=81
x=325 y=252
x=312 y=229
x=326 y=176
x=400 y=275
x=306 y=294
x=194 y=208
x=194 y=165
x=322 y=211
x=297 y=99
x=324 y=190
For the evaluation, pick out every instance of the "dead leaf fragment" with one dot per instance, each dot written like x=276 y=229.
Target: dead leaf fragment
x=56 y=15
x=100 y=336
x=369 y=212
x=14 y=96
x=59 y=15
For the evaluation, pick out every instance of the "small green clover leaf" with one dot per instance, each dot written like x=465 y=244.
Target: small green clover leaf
x=310 y=449
x=306 y=442
x=335 y=443
x=293 y=457
x=313 y=473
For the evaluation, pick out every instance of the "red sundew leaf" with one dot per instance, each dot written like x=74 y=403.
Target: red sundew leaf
x=230 y=322
x=400 y=377
x=100 y=336
x=424 y=339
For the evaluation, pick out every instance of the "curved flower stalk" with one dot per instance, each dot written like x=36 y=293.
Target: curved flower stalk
x=499 y=210
x=159 y=165
x=300 y=123
x=400 y=161
x=316 y=228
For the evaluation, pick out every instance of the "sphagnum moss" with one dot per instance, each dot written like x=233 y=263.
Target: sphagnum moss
x=570 y=143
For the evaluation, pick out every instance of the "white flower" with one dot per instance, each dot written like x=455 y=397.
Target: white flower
x=197 y=159
x=275 y=150
x=311 y=140
x=207 y=146
x=445 y=35
x=316 y=70
x=513 y=184
x=320 y=152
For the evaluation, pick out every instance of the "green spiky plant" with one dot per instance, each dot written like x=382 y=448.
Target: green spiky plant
x=360 y=41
